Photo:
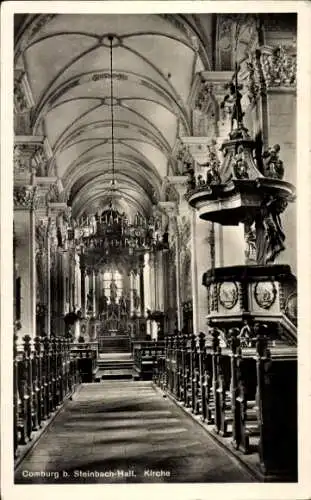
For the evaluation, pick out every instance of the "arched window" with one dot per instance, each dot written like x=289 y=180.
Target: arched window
x=113 y=284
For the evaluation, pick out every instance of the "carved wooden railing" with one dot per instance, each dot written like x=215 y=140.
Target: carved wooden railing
x=44 y=375
x=247 y=394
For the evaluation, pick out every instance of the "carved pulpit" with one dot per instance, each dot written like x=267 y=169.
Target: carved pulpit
x=243 y=189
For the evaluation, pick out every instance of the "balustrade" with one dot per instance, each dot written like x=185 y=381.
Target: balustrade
x=44 y=374
x=238 y=391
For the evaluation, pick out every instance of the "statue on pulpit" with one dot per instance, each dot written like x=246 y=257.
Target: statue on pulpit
x=233 y=99
x=270 y=236
x=113 y=290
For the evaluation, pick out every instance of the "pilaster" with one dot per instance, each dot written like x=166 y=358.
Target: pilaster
x=24 y=197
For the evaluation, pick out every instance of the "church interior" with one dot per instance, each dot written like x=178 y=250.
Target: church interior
x=154 y=248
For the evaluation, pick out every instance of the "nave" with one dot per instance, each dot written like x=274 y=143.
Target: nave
x=126 y=427
x=154 y=245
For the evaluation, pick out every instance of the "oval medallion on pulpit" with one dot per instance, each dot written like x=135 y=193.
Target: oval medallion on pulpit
x=265 y=294
x=228 y=294
x=291 y=307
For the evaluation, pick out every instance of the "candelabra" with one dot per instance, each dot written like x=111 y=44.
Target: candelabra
x=112 y=231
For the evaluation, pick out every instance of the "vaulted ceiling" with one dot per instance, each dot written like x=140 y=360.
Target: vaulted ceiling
x=67 y=62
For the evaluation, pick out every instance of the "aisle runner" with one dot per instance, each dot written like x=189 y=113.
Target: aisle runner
x=126 y=431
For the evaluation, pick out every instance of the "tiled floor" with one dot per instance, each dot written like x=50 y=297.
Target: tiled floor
x=125 y=431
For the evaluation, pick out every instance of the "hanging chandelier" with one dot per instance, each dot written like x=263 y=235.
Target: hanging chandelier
x=112 y=231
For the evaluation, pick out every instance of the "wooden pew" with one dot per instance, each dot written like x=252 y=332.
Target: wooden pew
x=85 y=354
x=243 y=395
x=42 y=378
x=146 y=354
x=277 y=409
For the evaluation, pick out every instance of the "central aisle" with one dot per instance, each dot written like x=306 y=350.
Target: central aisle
x=125 y=431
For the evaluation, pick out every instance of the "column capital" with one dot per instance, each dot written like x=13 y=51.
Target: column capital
x=55 y=209
x=207 y=84
x=169 y=208
x=210 y=115
x=31 y=156
x=180 y=184
x=43 y=185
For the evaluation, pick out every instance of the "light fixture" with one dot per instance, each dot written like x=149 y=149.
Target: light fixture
x=113 y=182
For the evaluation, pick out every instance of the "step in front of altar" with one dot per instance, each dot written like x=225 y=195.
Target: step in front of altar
x=114 y=365
x=114 y=344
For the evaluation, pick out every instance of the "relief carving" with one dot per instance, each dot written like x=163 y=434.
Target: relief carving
x=29 y=158
x=280 y=67
x=24 y=197
x=20 y=100
x=184 y=159
x=53 y=195
x=268 y=67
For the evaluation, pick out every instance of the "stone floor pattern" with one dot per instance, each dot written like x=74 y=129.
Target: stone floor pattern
x=125 y=431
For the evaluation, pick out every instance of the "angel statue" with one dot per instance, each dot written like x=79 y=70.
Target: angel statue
x=270 y=236
x=272 y=165
x=240 y=166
